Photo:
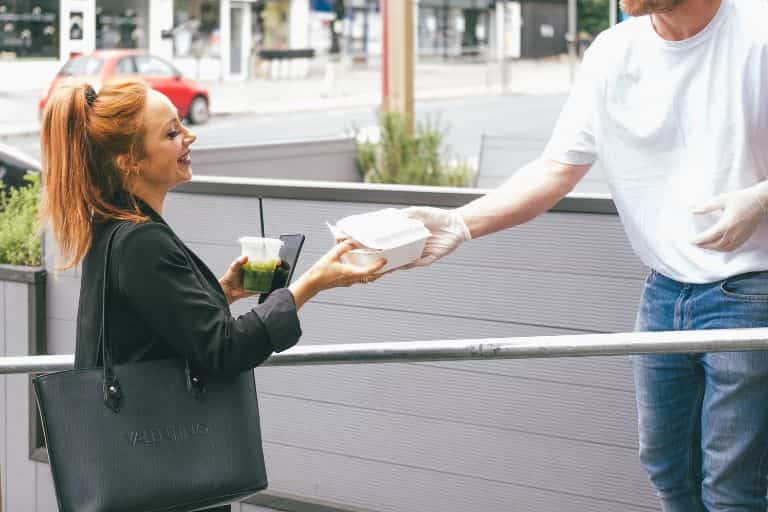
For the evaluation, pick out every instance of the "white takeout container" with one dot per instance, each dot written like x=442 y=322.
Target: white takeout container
x=260 y=249
x=384 y=233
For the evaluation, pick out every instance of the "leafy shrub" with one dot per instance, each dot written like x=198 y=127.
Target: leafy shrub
x=19 y=226
x=409 y=159
x=594 y=16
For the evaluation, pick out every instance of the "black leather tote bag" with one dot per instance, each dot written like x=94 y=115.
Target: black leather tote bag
x=151 y=436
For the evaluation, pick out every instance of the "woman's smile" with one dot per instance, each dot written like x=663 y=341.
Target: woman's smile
x=186 y=159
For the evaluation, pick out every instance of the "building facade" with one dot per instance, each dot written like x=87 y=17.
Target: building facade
x=219 y=39
x=209 y=39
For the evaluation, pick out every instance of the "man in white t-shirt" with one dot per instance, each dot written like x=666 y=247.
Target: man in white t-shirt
x=674 y=102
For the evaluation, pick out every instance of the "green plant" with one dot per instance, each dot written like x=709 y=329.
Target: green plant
x=593 y=16
x=411 y=159
x=19 y=226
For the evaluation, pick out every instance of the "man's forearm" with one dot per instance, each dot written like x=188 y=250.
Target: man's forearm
x=533 y=190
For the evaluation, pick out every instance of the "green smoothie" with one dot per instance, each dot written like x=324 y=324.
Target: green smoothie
x=257 y=275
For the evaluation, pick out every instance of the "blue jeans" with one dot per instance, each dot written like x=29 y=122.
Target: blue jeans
x=703 y=418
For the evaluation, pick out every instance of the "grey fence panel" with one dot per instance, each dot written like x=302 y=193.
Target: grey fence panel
x=244 y=507
x=61 y=334
x=63 y=291
x=453 y=445
x=539 y=245
x=3 y=408
x=441 y=436
x=503 y=155
x=397 y=487
x=53 y=261
x=546 y=275
x=519 y=406
x=46 y=495
x=599 y=303
x=19 y=475
x=382 y=326
x=328 y=159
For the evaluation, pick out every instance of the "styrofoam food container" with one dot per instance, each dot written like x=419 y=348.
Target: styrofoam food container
x=260 y=249
x=383 y=234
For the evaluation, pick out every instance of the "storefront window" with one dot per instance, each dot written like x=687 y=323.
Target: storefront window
x=453 y=30
x=196 y=26
x=29 y=28
x=274 y=18
x=122 y=23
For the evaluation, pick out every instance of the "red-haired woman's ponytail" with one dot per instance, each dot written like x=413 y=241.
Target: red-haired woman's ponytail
x=82 y=135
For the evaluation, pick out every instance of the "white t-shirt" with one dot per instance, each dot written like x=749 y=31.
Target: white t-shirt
x=675 y=123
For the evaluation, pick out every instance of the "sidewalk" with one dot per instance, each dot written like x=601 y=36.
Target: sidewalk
x=339 y=88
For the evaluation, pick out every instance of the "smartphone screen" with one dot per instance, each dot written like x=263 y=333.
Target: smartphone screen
x=289 y=257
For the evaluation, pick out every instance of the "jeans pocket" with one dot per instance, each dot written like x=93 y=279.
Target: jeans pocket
x=752 y=286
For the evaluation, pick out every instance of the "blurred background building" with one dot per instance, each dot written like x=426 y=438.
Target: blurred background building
x=221 y=39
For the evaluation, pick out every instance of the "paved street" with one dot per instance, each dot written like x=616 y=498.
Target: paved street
x=525 y=117
x=464 y=98
x=516 y=128
x=333 y=87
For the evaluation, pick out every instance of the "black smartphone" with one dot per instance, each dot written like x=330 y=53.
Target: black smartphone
x=289 y=257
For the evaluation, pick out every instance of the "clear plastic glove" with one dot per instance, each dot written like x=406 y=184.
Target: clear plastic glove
x=742 y=211
x=448 y=230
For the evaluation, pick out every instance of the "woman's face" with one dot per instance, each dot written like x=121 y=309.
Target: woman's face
x=166 y=162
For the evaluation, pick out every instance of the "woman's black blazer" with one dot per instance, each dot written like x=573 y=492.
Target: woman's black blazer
x=163 y=301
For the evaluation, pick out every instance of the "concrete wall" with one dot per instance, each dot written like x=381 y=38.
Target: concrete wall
x=533 y=436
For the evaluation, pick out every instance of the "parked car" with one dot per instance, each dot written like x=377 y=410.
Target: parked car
x=14 y=164
x=190 y=99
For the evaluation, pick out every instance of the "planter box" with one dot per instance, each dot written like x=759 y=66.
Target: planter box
x=22 y=317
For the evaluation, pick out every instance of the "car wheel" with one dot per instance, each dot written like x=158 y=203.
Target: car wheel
x=198 y=110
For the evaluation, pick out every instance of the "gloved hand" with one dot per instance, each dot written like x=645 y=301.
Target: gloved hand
x=742 y=211
x=448 y=232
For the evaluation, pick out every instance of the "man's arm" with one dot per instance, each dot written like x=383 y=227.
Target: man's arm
x=531 y=191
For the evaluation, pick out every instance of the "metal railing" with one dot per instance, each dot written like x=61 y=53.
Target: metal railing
x=581 y=345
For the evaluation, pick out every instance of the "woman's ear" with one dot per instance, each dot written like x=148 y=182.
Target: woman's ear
x=128 y=165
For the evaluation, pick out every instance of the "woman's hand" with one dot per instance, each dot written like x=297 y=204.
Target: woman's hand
x=232 y=281
x=329 y=272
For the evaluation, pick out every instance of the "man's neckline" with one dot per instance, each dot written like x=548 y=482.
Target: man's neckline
x=695 y=39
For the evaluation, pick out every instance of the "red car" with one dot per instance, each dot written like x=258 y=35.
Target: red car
x=190 y=99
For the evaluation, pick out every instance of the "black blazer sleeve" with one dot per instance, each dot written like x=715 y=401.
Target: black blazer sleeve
x=156 y=276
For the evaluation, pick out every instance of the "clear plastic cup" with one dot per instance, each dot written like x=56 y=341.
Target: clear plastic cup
x=263 y=258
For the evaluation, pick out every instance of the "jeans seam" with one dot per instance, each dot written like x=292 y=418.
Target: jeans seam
x=696 y=415
x=760 y=484
x=677 y=322
x=740 y=296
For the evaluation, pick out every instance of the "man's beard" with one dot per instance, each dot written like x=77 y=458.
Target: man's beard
x=643 y=7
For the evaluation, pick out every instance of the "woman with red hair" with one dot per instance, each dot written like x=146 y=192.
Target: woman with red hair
x=112 y=157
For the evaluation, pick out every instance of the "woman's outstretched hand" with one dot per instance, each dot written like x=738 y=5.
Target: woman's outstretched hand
x=232 y=281
x=330 y=272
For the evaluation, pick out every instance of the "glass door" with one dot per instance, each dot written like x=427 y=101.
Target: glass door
x=236 y=50
x=240 y=40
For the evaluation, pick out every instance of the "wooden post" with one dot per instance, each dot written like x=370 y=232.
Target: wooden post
x=397 y=61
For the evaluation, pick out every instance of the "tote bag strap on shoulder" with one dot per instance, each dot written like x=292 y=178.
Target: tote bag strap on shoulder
x=111 y=387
